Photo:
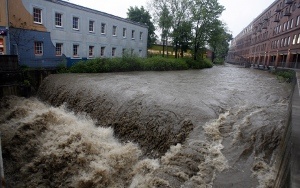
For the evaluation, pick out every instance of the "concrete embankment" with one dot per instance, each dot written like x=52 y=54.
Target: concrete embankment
x=289 y=169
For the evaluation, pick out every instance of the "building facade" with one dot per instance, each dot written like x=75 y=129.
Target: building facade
x=45 y=33
x=272 y=38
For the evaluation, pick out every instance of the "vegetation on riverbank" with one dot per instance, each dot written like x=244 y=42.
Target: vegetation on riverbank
x=285 y=75
x=134 y=63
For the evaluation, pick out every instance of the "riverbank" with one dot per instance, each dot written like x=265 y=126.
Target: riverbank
x=289 y=169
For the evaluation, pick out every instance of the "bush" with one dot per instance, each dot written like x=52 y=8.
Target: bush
x=199 y=64
x=62 y=68
x=134 y=63
x=131 y=62
x=79 y=67
x=219 y=61
x=126 y=63
x=158 y=63
x=286 y=75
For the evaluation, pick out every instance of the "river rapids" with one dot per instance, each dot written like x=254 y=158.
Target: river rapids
x=218 y=127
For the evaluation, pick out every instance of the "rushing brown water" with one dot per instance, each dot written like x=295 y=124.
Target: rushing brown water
x=218 y=127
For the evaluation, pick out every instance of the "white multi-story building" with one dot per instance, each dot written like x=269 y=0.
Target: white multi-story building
x=45 y=33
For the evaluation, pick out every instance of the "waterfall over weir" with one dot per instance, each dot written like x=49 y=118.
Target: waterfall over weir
x=218 y=127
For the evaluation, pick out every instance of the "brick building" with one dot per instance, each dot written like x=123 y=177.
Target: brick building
x=272 y=38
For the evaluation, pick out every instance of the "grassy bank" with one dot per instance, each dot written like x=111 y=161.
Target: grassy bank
x=133 y=63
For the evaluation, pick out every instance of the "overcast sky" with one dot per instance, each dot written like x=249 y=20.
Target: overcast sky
x=238 y=13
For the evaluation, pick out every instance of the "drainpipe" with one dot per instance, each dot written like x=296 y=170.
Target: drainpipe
x=296 y=64
x=7 y=27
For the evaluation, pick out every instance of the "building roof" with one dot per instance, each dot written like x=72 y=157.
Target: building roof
x=72 y=5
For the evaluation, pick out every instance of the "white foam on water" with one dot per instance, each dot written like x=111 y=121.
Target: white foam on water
x=264 y=173
x=71 y=151
x=171 y=153
x=214 y=159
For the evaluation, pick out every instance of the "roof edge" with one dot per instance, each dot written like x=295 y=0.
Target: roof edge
x=79 y=7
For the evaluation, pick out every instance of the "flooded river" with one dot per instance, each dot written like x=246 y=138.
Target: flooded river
x=218 y=127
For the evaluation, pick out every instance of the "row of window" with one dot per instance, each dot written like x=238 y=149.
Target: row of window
x=284 y=42
x=37 y=18
x=259 y=48
x=284 y=11
x=38 y=50
x=287 y=25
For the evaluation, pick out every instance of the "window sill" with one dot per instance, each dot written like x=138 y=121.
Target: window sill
x=76 y=57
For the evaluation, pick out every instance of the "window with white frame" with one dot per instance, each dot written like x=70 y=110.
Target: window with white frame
x=38 y=48
x=279 y=29
x=113 y=52
x=91 y=26
x=58 y=19
x=124 y=32
x=75 y=50
x=58 y=49
x=141 y=35
x=298 y=41
x=298 y=20
x=292 y=23
x=102 y=51
x=76 y=23
x=288 y=41
x=114 y=30
x=103 y=28
x=91 y=51
x=132 y=34
x=37 y=15
x=294 y=39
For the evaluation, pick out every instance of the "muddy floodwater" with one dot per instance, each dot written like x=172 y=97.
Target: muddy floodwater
x=218 y=127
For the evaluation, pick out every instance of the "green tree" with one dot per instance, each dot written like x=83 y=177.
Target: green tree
x=204 y=14
x=182 y=37
x=219 y=40
x=142 y=16
x=181 y=26
x=164 y=22
x=189 y=23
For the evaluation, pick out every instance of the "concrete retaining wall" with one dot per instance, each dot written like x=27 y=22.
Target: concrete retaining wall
x=289 y=156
